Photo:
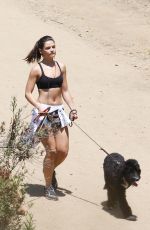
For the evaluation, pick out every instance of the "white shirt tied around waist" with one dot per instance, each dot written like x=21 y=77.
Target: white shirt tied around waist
x=29 y=136
x=64 y=119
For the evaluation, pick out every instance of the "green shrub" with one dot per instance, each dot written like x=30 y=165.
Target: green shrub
x=13 y=155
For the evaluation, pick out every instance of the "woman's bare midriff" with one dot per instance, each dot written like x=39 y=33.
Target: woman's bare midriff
x=50 y=96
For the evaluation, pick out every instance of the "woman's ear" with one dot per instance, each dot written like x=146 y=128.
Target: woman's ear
x=40 y=50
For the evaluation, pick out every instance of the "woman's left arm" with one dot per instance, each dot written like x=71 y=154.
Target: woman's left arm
x=65 y=91
x=67 y=96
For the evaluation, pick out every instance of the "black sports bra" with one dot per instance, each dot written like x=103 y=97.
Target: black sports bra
x=45 y=82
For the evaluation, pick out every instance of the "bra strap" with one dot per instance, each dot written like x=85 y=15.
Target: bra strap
x=59 y=66
x=41 y=69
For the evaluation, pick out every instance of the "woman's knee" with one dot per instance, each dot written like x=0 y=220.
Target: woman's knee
x=62 y=153
x=50 y=154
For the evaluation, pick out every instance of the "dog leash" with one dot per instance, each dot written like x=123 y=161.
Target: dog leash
x=101 y=148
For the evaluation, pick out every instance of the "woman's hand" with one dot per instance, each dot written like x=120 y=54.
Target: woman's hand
x=42 y=113
x=73 y=115
x=41 y=110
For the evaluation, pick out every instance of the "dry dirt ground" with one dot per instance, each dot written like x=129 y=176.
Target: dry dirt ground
x=106 y=48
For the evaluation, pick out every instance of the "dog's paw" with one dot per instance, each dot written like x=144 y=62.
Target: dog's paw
x=132 y=218
x=110 y=206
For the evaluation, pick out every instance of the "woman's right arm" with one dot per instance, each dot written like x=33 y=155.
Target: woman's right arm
x=33 y=77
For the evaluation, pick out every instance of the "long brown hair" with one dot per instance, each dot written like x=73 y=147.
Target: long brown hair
x=34 y=54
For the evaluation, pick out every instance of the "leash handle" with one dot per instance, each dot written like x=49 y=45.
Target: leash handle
x=39 y=115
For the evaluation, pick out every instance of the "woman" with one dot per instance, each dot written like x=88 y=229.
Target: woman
x=50 y=78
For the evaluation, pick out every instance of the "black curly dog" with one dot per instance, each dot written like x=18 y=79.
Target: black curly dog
x=120 y=175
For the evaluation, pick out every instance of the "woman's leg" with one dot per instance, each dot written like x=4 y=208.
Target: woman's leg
x=62 y=146
x=56 y=147
x=49 y=160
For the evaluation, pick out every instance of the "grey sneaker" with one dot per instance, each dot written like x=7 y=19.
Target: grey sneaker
x=50 y=193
